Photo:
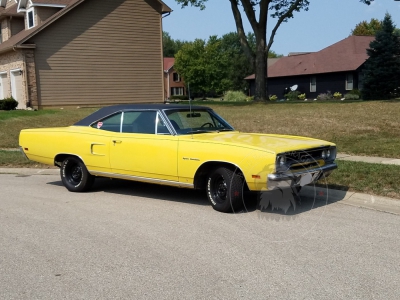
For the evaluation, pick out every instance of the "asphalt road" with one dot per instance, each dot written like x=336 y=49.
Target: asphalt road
x=127 y=240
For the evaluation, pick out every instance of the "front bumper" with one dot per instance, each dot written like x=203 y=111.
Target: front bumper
x=302 y=178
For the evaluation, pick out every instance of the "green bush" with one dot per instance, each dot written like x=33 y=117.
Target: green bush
x=179 y=97
x=349 y=96
x=273 y=97
x=337 y=95
x=355 y=92
x=249 y=98
x=8 y=104
x=292 y=95
x=302 y=96
x=235 y=96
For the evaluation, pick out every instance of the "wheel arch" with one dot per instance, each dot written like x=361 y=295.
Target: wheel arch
x=59 y=158
x=200 y=178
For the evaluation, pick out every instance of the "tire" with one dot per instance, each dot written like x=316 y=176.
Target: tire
x=75 y=176
x=225 y=190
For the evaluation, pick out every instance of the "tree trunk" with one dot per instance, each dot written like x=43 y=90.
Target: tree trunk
x=261 y=89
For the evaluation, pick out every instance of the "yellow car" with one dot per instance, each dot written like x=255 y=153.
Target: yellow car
x=179 y=145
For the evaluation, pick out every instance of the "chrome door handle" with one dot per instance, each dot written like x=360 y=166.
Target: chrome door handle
x=117 y=142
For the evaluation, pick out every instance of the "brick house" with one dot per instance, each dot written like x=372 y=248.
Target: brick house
x=337 y=68
x=174 y=85
x=81 y=52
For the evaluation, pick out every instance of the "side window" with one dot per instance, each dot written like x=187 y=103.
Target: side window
x=139 y=122
x=112 y=123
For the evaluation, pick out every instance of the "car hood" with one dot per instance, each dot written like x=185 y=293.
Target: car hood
x=273 y=143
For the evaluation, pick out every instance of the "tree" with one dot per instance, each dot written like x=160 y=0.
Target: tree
x=382 y=69
x=282 y=10
x=203 y=65
x=367 y=28
x=370 y=28
x=171 y=46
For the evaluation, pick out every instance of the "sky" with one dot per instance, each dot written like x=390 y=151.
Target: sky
x=325 y=23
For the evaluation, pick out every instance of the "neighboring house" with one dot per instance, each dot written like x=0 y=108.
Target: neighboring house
x=81 y=52
x=173 y=82
x=337 y=68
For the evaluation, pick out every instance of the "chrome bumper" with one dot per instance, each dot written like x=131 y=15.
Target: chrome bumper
x=285 y=180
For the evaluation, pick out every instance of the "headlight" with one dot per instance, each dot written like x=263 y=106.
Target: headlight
x=324 y=154
x=281 y=160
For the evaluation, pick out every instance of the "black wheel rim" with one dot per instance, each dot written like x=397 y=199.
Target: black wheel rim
x=219 y=189
x=74 y=174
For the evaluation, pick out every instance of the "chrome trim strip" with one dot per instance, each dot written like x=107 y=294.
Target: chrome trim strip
x=142 y=179
x=287 y=176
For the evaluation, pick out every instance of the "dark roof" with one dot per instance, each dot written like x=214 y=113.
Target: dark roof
x=16 y=40
x=346 y=55
x=109 y=110
x=10 y=11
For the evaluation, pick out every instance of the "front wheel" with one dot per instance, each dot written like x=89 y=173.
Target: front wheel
x=225 y=190
x=75 y=176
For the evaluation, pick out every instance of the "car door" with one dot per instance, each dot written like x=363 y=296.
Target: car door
x=96 y=141
x=144 y=148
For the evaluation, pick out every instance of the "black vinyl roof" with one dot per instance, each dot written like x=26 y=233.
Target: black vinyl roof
x=109 y=110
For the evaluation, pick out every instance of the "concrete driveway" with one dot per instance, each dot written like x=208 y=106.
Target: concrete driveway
x=127 y=240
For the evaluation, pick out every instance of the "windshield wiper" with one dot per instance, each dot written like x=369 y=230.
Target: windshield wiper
x=225 y=129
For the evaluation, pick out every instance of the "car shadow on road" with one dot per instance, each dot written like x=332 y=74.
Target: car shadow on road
x=146 y=190
x=279 y=202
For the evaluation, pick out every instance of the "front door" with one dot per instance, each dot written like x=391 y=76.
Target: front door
x=17 y=89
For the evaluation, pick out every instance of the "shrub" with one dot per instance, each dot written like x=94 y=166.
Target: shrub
x=302 y=96
x=235 y=96
x=8 y=104
x=337 y=95
x=355 y=92
x=179 y=97
x=250 y=98
x=292 y=95
x=325 y=96
x=273 y=97
x=349 y=96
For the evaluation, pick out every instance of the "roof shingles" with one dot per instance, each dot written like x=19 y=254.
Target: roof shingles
x=346 y=55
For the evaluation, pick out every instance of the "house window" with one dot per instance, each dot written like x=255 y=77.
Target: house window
x=313 y=84
x=30 y=18
x=176 y=77
x=349 y=81
x=177 y=91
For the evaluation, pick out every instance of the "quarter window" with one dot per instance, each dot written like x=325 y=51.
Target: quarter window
x=313 y=84
x=349 y=81
x=112 y=123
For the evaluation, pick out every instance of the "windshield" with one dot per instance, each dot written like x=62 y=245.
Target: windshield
x=196 y=121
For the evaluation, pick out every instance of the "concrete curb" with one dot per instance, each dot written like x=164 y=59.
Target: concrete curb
x=369 y=159
x=378 y=203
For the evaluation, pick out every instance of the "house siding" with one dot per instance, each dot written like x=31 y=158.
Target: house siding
x=101 y=54
x=333 y=82
x=170 y=83
x=43 y=13
x=17 y=25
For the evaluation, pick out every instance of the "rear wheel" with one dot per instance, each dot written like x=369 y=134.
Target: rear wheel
x=225 y=190
x=75 y=176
